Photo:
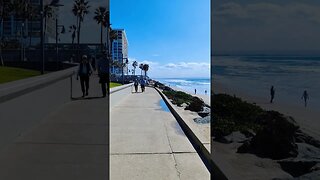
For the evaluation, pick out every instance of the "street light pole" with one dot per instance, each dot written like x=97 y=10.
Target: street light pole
x=57 y=36
x=57 y=48
x=41 y=36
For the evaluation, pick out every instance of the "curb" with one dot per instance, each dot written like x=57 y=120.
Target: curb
x=40 y=83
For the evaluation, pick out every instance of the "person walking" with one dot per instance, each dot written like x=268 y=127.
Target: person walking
x=143 y=84
x=195 y=91
x=84 y=71
x=305 y=97
x=205 y=92
x=136 y=84
x=93 y=63
x=272 y=93
x=103 y=73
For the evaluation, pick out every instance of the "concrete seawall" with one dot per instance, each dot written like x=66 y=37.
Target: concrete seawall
x=24 y=103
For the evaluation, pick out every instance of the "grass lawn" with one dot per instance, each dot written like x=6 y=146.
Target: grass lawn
x=8 y=74
x=112 y=84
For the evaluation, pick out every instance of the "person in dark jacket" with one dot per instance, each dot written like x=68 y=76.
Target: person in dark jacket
x=103 y=71
x=142 y=84
x=305 y=97
x=136 y=84
x=84 y=71
x=272 y=92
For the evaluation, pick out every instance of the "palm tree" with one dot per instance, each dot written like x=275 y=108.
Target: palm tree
x=5 y=10
x=113 y=35
x=73 y=30
x=145 y=68
x=80 y=9
x=24 y=10
x=32 y=14
x=101 y=17
x=47 y=14
x=134 y=64
x=141 y=67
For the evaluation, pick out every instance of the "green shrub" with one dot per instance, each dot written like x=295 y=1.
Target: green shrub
x=233 y=114
x=178 y=97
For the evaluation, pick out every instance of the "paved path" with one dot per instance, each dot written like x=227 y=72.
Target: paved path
x=69 y=144
x=146 y=142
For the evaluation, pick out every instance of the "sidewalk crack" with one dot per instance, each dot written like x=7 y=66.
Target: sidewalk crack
x=174 y=158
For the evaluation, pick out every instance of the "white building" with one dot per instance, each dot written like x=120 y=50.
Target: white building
x=119 y=52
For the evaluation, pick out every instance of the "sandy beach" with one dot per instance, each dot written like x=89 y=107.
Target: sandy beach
x=205 y=98
x=307 y=118
x=249 y=166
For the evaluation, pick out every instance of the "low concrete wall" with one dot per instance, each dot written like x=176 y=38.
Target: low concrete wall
x=24 y=103
x=117 y=94
x=204 y=154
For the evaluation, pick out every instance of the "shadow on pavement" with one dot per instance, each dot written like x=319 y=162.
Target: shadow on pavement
x=86 y=98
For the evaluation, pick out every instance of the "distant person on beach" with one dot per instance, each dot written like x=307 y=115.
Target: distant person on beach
x=205 y=92
x=136 y=84
x=305 y=97
x=272 y=92
x=195 y=91
x=84 y=71
x=103 y=73
x=143 y=84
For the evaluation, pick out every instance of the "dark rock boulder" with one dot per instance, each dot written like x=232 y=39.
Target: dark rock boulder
x=236 y=136
x=302 y=137
x=245 y=147
x=297 y=167
x=205 y=112
x=310 y=176
x=202 y=120
x=248 y=133
x=276 y=138
x=196 y=105
x=221 y=139
x=308 y=151
x=166 y=88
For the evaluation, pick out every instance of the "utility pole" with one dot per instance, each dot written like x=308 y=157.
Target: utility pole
x=57 y=48
x=41 y=36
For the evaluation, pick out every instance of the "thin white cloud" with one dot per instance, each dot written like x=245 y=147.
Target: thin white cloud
x=177 y=69
x=188 y=65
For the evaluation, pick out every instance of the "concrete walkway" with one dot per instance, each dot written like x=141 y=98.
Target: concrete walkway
x=70 y=143
x=146 y=142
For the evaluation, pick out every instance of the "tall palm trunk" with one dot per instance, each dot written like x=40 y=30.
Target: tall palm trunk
x=45 y=28
x=31 y=32
x=101 y=35
x=1 y=43
x=78 y=39
x=2 y=63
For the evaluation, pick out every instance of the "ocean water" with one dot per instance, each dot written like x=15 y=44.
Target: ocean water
x=290 y=75
x=188 y=84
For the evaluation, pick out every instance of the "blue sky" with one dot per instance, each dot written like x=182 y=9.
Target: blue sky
x=172 y=36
